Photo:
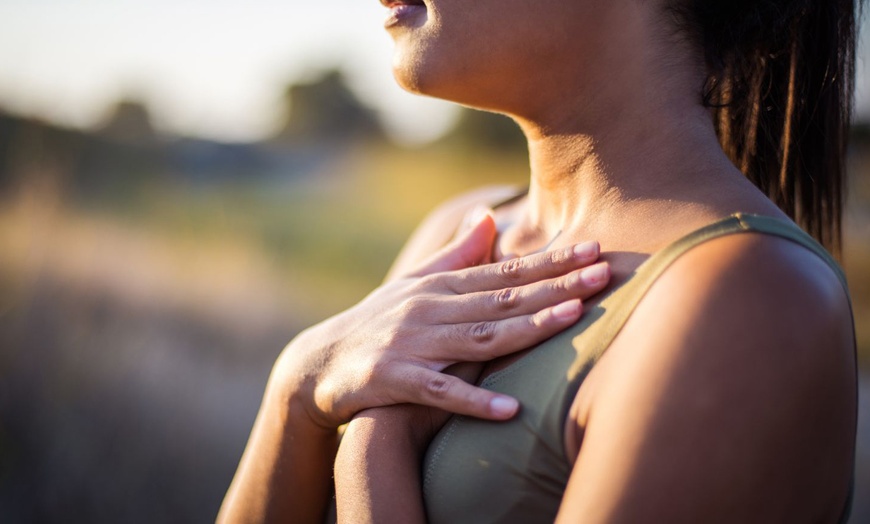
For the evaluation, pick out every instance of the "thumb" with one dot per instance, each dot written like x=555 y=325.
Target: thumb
x=471 y=248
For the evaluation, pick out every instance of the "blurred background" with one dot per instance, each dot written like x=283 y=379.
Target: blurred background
x=184 y=185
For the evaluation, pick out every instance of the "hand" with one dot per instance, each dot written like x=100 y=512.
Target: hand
x=392 y=347
x=414 y=424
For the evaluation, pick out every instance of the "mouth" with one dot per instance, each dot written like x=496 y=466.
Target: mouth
x=397 y=3
x=407 y=13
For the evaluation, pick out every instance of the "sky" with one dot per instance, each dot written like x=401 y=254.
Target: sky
x=208 y=68
x=211 y=68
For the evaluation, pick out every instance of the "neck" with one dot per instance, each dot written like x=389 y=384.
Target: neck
x=579 y=176
x=639 y=139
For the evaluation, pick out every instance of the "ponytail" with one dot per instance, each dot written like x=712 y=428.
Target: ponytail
x=780 y=85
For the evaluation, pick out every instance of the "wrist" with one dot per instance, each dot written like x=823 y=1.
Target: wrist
x=376 y=440
x=403 y=426
x=290 y=396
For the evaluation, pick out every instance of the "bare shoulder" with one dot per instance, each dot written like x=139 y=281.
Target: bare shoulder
x=755 y=297
x=438 y=228
x=732 y=385
x=784 y=296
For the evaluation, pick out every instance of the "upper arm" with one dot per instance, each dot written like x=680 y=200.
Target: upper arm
x=439 y=227
x=729 y=395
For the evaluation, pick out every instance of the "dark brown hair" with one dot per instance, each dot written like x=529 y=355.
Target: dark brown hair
x=780 y=84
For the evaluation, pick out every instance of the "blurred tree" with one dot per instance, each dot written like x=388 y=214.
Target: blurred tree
x=121 y=155
x=37 y=155
x=130 y=122
x=327 y=110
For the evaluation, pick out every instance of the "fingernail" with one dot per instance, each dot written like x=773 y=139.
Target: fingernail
x=503 y=406
x=586 y=250
x=567 y=310
x=595 y=275
x=478 y=214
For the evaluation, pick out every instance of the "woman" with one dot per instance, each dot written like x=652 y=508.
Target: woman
x=714 y=379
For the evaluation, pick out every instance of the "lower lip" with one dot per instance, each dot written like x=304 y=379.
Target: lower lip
x=404 y=14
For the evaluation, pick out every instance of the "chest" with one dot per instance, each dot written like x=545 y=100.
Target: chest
x=515 y=471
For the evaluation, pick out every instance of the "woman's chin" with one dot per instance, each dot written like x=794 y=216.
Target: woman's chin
x=420 y=78
x=406 y=81
x=429 y=64
x=420 y=81
x=410 y=72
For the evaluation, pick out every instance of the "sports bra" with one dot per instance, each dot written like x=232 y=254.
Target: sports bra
x=487 y=472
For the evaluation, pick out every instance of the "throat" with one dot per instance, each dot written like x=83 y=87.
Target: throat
x=512 y=249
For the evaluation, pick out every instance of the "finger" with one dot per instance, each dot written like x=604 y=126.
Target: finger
x=486 y=340
x=471 y=248
x=431 y=388
x=521 y=300
x=473 y=217
x=521 y=271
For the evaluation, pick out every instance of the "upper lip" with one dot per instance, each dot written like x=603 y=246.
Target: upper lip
x=391 y=3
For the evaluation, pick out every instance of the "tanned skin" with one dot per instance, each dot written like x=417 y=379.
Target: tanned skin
x=729 y=396
x=730 y=393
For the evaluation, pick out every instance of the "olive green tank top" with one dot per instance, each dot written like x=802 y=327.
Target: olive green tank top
x=487 y=472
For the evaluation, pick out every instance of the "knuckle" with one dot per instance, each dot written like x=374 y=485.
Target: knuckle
x=506 y=299
x=392 y=338
x=438 y=387
x=415 y=306
x=564 y=284
x=372 y=368
x=559 y=257
x=536 y=321
x=511 y=269
x=482 y=333
x=428 y=281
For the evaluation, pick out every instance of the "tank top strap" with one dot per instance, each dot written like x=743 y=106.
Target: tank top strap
x=624 y=300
